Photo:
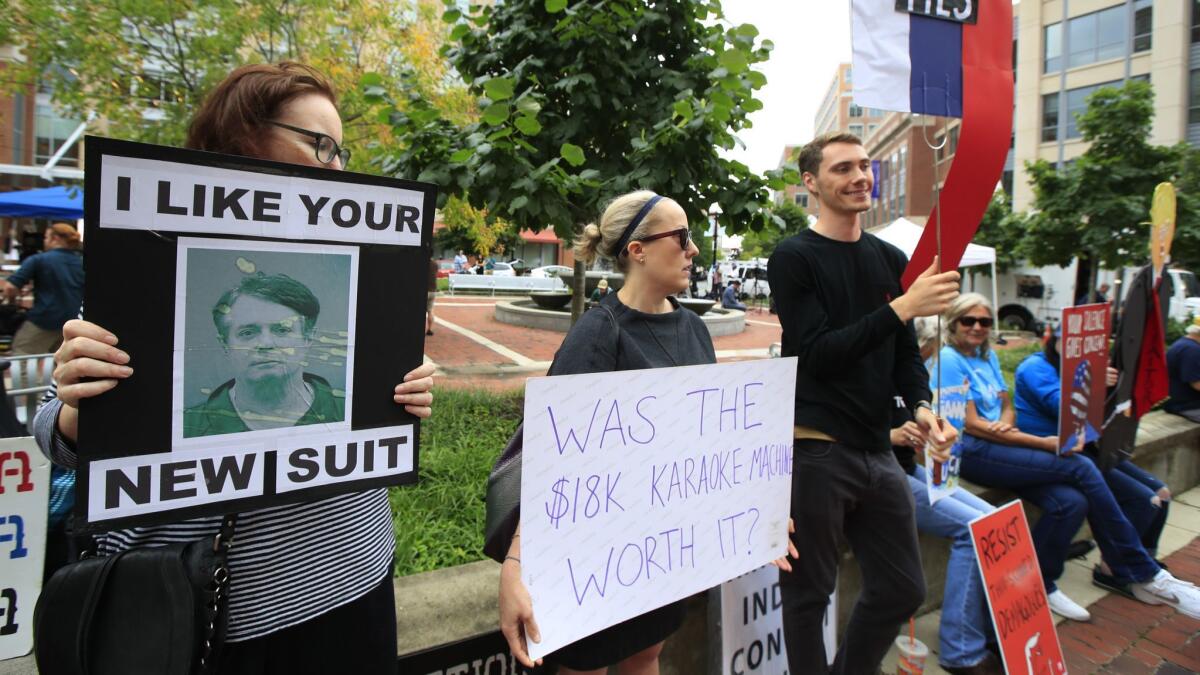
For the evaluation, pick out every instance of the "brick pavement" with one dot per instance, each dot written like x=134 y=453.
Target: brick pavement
x=1132 y=638
x=467 y=363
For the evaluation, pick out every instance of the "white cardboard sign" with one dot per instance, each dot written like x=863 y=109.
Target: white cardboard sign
x=24 y=501
x=752 y=625
x=640 y=488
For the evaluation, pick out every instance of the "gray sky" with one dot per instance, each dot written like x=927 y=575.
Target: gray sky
x=811 y=37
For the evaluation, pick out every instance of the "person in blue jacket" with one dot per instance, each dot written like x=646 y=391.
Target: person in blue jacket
x=729 y=299
x=1143 y=498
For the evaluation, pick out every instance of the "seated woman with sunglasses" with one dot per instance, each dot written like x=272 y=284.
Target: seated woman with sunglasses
x=640 y=326
x=1067 y=487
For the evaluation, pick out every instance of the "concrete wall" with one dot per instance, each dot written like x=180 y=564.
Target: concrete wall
x=459 y=602
x=456 y=603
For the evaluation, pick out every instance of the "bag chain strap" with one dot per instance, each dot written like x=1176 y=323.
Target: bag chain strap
x=216 y=588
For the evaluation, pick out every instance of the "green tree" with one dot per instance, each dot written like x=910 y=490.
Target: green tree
x=791 y=220
x=1003 y=230
x=468 y=229
x=584 y=100
x=1096 y=207
x=142 y=66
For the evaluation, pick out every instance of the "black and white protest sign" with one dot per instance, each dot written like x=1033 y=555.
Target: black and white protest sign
x=268 y=310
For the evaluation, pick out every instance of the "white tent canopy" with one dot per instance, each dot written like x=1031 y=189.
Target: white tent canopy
x=904 y=235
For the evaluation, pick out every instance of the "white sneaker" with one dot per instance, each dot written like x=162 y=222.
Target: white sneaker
x=1067 y=608
x=1165 y=589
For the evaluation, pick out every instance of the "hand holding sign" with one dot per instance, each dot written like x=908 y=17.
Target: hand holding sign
x=516 y=609
x=929 y=295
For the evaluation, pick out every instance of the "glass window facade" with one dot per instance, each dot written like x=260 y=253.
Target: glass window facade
x=1098 y=36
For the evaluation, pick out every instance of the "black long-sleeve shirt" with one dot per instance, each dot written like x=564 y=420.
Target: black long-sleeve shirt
x=854 y=351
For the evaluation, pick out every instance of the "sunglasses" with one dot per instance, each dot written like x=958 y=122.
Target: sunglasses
x=685 y=237
x=326 y=148
x=970 y=321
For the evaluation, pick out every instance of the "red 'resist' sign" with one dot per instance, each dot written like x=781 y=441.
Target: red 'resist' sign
x=1083 y=355
x=1015 y=593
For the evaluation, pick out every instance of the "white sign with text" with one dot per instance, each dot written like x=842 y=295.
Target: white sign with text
x=752 y=625
x=640 y=488
x=24 y=502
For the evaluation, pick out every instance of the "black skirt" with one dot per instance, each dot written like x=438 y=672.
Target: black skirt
x=619 y=642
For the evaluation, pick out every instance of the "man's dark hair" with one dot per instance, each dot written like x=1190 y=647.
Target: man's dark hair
x=809 y=159
x=277 y=288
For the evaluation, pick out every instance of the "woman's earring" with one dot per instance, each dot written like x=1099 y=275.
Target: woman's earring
x=642 y=261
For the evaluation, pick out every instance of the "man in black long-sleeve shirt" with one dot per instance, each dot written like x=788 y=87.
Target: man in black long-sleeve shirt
x=846 y=318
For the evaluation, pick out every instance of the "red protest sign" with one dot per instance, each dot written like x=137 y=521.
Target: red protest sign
x=1013 y=582
x=1083 y=354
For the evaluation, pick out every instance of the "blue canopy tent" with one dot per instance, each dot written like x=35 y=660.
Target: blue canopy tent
x=53 y=202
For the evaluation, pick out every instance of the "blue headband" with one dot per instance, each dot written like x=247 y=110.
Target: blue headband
x=633 y=224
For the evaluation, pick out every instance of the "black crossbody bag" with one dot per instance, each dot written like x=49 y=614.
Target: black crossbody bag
x=153 y=609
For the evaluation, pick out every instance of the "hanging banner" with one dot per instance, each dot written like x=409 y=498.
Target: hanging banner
x=1016 y=596
x=1083 y=358
x=268 y=310
x=640 y=488
x=24 y=509
x=752 y=625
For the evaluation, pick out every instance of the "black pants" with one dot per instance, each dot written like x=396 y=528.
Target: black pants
x=358 y=637
x=864 y=496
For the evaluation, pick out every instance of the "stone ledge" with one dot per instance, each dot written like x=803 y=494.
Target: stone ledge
x=460 y=602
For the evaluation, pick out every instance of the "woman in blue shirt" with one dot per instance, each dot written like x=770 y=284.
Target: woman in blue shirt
x=996 y=452
x=1143 y=498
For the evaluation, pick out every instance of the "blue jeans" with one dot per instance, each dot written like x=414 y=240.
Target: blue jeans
x=1134 y=487
x=962 y=636
x=1059 y=482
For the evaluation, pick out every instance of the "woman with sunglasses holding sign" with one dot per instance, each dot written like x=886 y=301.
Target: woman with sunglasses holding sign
x=310 y=583
x=640 y=326
x=995 y=452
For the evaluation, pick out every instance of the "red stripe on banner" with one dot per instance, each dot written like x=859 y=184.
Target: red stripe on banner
x=982 y=142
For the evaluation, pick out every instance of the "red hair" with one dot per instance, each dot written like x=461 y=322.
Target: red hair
x=233 y=117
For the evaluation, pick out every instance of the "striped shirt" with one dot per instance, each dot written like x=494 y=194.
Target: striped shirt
x=288 y=564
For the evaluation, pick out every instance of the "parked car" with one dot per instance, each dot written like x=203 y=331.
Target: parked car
x=503 y=269
x=754 y=281
x=445 y=268
x=550 y=271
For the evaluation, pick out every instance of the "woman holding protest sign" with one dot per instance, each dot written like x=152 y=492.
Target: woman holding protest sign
x=310 y=588
x=996 y=452
x=640 y=326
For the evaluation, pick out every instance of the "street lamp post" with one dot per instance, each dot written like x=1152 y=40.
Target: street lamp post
x=714 y=212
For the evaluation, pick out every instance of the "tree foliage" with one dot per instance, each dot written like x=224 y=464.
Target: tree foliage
x=469 y=229
x=762 y=243
x=142 y=66
x=1097 y=207
x=584 y=100
x=1003 y=230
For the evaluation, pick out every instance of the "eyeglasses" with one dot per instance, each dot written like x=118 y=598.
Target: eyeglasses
x=685 y=237
x=970 y=321
x=327 y=148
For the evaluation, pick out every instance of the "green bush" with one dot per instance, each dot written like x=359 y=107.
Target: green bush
x=1011 y=358
x=439 y=521
x=1175 y=330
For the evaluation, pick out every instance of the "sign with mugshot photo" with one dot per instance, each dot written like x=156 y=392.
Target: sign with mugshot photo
x=268 y=310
